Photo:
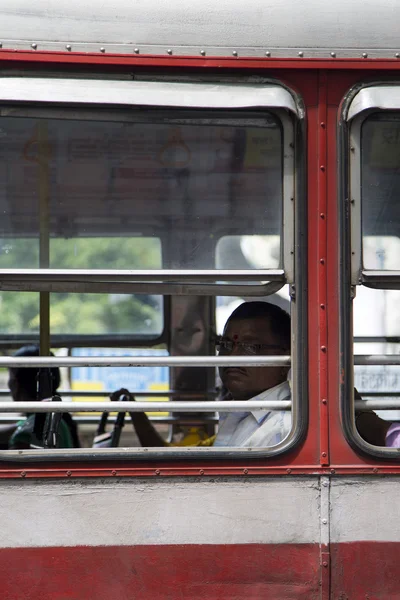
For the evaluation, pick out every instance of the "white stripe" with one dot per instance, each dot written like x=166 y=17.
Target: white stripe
x=137 y=512
x=365 y=509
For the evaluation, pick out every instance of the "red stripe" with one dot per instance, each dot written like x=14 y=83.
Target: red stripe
x=190 y=572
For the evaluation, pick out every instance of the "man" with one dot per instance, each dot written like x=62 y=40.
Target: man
x=253 y=328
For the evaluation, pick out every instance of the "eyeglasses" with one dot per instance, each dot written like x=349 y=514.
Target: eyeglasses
x=226 y=346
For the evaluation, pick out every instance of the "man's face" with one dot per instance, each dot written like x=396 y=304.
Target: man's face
x=246 y=382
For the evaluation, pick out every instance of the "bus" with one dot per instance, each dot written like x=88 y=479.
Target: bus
x=161 y=164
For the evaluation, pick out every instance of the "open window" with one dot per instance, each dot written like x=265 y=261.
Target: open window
x=117 y=197
x=372 y=278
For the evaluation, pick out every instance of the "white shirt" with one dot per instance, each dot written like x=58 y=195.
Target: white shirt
x=258 y=428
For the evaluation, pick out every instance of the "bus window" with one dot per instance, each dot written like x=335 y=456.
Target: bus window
x=375 y=244
x=135 y=214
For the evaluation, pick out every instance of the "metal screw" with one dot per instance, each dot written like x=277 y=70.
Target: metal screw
x=157 y=471
x=113 y=473
x=234 y=53
x=169 y=51
x=324 y=564
x=288 y=471
x=102 y=49
x=397 y=55
x=68 y=47
x=375 y=470
x=323 y=455
x=136 y=50
x=34 y=46
x=301 y=54
x=201 y=472
x=324 y=521
x=333 y=54
x=364 y=55
x=23 y=473
x=268 y=53
x=68 y=473
x=245 y=471
x=203 y=52
x=333 y=471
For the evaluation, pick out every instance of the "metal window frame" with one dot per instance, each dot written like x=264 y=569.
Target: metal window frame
x=289 y=109
x=359 y=103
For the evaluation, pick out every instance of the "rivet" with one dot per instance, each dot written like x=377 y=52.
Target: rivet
x=245 y=471
x=324 y=521
x=169 y=51
x=333 y=471
x=322 y=261
x=102 y=49
x=288 y=471
x=268 y=53
x=323 y=348
x=364 y=55
x=375 y=470
x=201 y=472
x=136 y=50
x=157 y=471
x=324 y=564
x=234 y=53
x=397 y=55
x=68 y=47
x=322 y=306
x=324 y=401
x=323 y=125
x=113 y=473
x=325 y=483
x=322 y=168
x=323 y=455
x=203 y=52
x=23 y=473
x=68 y=473
x=34 y=46
x=333 y=54
x=322 y=216
x=301 y=54
x=352 y=149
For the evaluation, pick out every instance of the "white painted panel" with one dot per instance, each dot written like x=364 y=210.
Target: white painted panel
x=138 y=512
x=365 y=509
x=275 y=24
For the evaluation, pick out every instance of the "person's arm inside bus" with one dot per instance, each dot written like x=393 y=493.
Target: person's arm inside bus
x=371 y=428
x=145 y=430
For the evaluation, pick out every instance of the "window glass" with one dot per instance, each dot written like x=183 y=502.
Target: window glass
x=83 y=313
x=380 y=190
x=188 y=181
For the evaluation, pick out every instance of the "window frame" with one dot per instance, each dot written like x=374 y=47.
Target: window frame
x=361 y=101
x=275 y=98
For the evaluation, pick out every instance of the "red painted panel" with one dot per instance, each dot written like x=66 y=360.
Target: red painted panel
x=192 y=572
x=365 y=570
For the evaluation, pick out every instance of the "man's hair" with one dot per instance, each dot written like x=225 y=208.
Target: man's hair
x=278 y=318
x=28 y=378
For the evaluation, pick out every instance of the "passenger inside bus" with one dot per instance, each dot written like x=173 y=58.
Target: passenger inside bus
x=255 y=328
x=23 y=384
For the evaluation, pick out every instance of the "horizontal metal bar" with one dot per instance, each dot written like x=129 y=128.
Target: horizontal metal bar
x=94 y=420
x=146 y=361
x=379 y=394
x=132 y=287
x=137 y=394
x=131 y=340
x=389 y=280
x=377 y=404
x=379 y=339
x=377 y=359
x=73 y=407
x=140 y=275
